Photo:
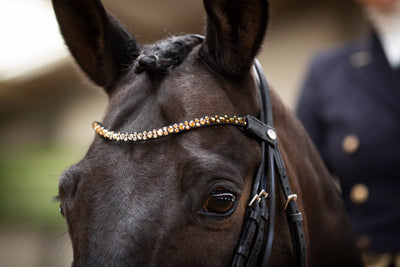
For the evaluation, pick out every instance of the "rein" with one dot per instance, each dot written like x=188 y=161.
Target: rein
x=258 y=227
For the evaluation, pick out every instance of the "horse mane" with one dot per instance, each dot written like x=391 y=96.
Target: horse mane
x=162 y=56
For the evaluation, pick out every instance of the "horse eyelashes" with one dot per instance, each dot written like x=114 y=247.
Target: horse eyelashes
x=220 y=202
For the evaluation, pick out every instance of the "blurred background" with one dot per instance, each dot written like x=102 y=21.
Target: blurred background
x=47 y=105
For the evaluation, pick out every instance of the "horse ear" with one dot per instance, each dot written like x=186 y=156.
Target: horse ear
x=100 y=44
x=235 y=31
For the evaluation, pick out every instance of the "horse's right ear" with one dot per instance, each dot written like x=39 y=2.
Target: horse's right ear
x=102 y=46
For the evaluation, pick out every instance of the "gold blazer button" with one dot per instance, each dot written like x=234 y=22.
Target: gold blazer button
x=350 y=144
x=359 y=194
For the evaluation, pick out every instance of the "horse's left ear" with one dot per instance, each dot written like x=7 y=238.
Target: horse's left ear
x=234 y=34
x=101 y=45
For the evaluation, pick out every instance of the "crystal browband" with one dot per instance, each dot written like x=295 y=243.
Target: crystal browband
x=169 y=130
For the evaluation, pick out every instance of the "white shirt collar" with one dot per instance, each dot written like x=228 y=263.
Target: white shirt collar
x=386 y=23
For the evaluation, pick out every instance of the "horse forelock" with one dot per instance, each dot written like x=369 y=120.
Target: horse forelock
x=159 y=57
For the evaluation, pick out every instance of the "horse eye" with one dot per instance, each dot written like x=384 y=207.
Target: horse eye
x=220 y=202
x=62 y=212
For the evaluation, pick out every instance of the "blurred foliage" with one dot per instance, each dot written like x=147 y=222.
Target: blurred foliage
x=28 y=185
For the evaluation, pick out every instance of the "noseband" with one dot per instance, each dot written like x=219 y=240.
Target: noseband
x=255 y=244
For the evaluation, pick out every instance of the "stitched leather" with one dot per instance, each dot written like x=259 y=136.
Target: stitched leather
x=253 y=249
x=259 y=129
x=292 y=212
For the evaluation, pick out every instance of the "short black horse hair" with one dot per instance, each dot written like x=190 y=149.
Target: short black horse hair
x=166 y=54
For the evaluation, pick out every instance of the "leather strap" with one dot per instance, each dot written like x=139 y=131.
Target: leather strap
x=253 y=249
x=251 y=242
x=267 y=117
x=259 y=130
x=293 y=215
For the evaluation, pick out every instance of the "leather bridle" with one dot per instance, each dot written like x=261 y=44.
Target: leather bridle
x=255 y=243
x=256 y=239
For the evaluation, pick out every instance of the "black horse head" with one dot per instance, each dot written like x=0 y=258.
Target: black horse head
x=173 y=201
x=181 y=200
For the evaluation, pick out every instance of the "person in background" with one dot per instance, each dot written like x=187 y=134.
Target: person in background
x=350 y=106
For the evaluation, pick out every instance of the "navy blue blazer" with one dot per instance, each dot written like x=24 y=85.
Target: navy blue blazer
x=350 y=106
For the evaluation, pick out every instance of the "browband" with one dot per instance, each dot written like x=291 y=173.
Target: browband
x=248 y=123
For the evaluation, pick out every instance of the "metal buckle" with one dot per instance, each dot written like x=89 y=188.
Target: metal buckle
x=290 y=198
x=258 y=197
